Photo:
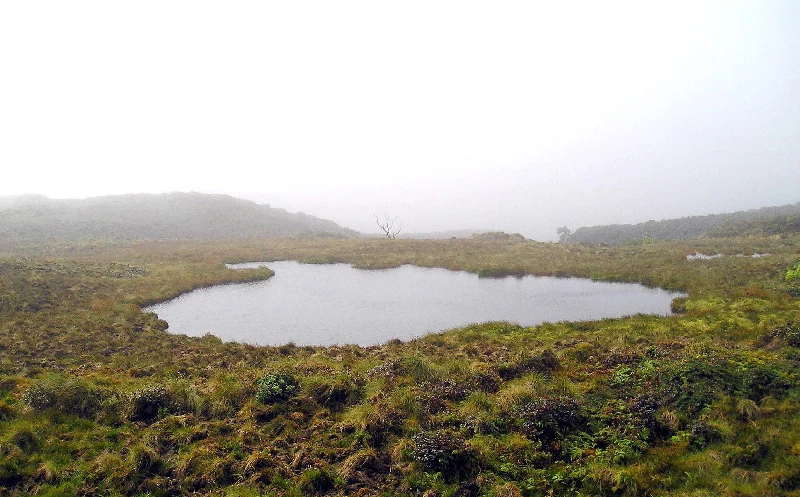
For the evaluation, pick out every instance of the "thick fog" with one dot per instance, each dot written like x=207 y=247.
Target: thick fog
x=449 y=115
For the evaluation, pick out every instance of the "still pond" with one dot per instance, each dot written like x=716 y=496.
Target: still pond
x=326 y=304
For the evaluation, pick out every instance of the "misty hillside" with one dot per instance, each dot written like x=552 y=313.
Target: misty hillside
x=764 y=221
x=171 y=216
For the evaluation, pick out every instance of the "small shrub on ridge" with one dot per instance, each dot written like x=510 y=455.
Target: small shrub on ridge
x=276 y=387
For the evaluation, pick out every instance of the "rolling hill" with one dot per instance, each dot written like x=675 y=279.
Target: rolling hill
x=760 y=222
x=171 y=216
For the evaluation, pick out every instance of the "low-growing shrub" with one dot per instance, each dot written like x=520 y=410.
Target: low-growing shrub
x=696 y=383
x=788 y=332
x=446 y=452
x=616 y=357
x=276 y=387
x=69 y=396
x=485 y=381
x=24 y=439
x=703 y=434
x=448 y=389
x=678 y=305
x=749 y=455
x=6 y=411
x=316 y=481
x=147 y=403
x=543 y=362
x=793 y=273
x=760 y=381
x=436 y=394
x=645 y=408
x=549 y=419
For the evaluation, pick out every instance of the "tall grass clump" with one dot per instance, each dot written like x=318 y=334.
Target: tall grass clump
x=66 y=395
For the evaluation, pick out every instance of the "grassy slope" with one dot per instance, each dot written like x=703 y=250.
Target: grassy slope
x=97 y=399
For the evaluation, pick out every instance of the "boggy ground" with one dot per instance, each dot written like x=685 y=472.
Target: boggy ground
x=96 y=398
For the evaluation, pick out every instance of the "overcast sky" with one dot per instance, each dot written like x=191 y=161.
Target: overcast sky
x=512 y=116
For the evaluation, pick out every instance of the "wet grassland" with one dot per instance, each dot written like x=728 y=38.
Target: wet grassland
x=97 y=398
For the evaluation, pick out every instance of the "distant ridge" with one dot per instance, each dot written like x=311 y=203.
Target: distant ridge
x=169 y=216
x=764 y=221
x=441 y=235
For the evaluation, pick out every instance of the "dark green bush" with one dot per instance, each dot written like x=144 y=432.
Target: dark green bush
x=6 y=411
x=793 y=273
x=789 y=332
x=276 y=387
x=543 y=362
x=549 y=419
x=678 y=305
x=10 y=471
x=316 y=481
x=645 y=408
x=696 y=383
x=760 y=381
x=446 y=452
x=436 y=394
x=750 y=455
x=485 y=381
x=147 y=403
x=25 y=440
x=448 y=389
x=704 y=434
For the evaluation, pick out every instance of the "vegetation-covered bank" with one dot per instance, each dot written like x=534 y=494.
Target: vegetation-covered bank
x=96 y=398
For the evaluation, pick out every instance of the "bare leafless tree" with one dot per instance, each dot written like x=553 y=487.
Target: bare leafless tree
x=387 y=224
